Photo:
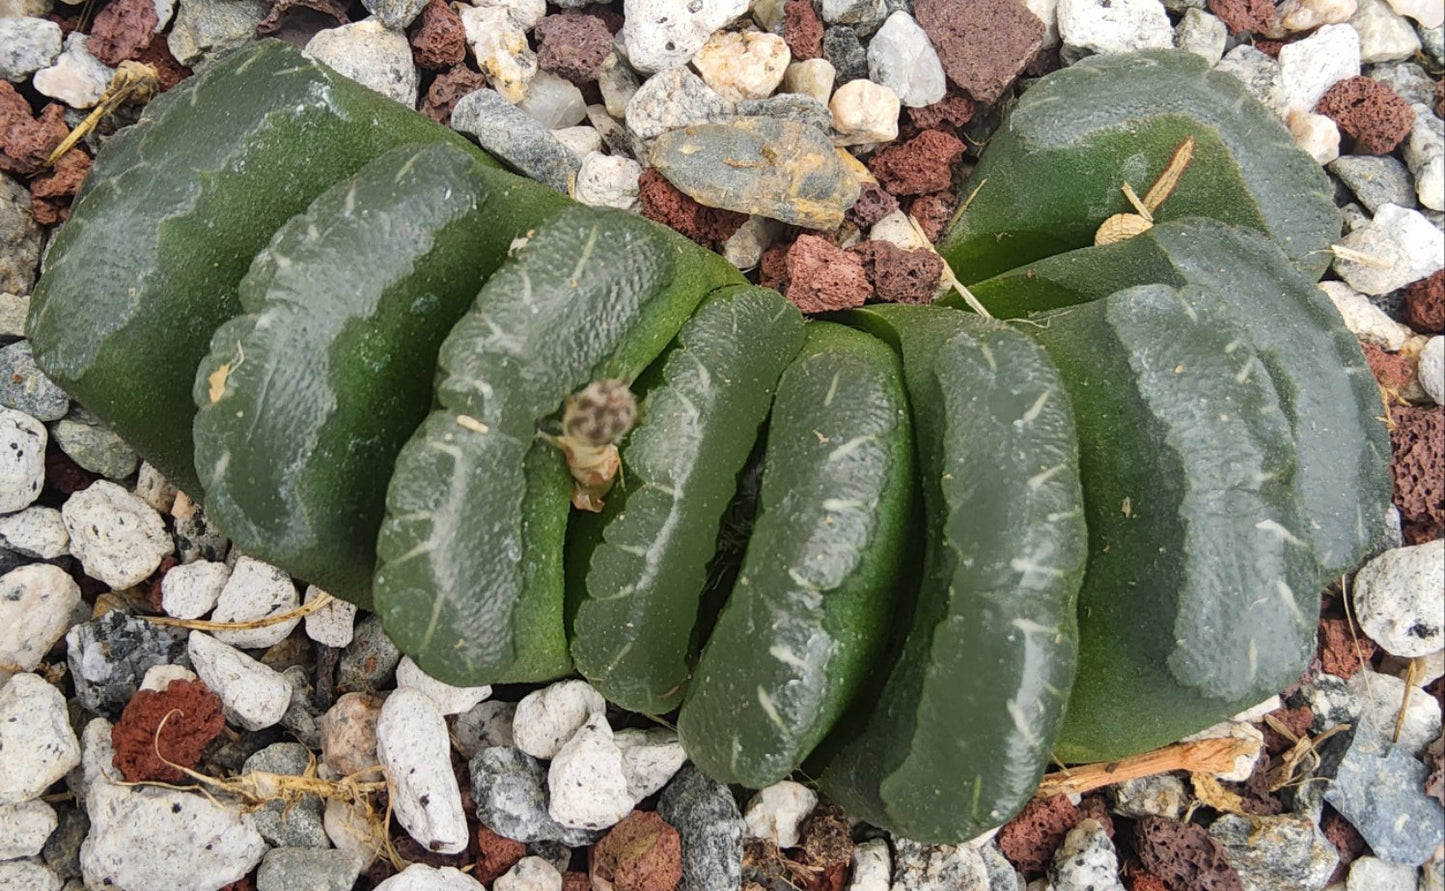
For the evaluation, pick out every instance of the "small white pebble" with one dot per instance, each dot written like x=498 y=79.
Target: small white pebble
x=77 y=78
x=864 y=112
x=1364 y=319
x=412 y=744
x=649 y=758
x=587 y=780
x=36 y=531
x=608 y=181
x=902 y=58
x=547 y=718
x=154 y=489
x=1309 y=67
x=350 y=831
x=22 y=469
x=159 y=677
x=372 y=55
x=1432 y=369
x=1318 y=136
x=37 y=744
x=530 y=874
x=1403 y=247
x=190 y=591
x=448 y=699
x=1429 y=13
x=1399 y=599
x=872 y=866
x=118 y=538
x=24 y=827
x=420 y=877
x=810 y=77
x=775 y=813
x=334 y=624
x=743 y=64
x=500 y=45
x=37 y=602
x=254 y=696
x=581 y=140
x=553 y=101
x=1306 y=15
x=256 y=590
x=659 y=34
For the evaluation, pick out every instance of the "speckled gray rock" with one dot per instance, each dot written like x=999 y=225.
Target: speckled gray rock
x=19 y=236
x=36 y=532
x=843 y=49
x=197 y=539
x=918 y=867
x=659 y=34
x=515 y=137
x=372 y=55
x=1001 y=874
x=93 y=445
x=1377 y=699
x=62 y=849
x=710 y=827
x=671 y=99
x=1200 y=33
x=369 y=662
x=303 y=717
x=1258 y=72
x=510 y=790
x=1378 y=787
x=412 y=744
x=1162 y=795
x=189 y=591
x=109 y=656
x=1407 y=79
x=483 y=726
x=865 y=15
x=789 y=107
x=27 y=44
x=1086 y=860
x=1425 y=156
x=283 y=825
x=395 y=14
x=37 y=603
x=28 y=875
x=1404 y=245
x=37 y=745
x=1374 y=874
x=13 y=307
x=22 y=459
x=782 y=170
x=901 y=57
x=118 y=538
x=209 y=27
x=650 y=758
x=1399 y=599
x=1376 y=180
x=1432 y=41
x=1284 y=851
x=287 y=869
x=24 y=387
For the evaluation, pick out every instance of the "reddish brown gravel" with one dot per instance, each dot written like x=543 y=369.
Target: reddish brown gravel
x=194 y=720
x=983 y=44
x=821 y=277
x=1030 y=839
x=664 y=203
x=921 y=165
x=1244 y=16
x=1425 y=304
x=438 y=39
x=27 y=140
x=122 y=29
x=497 y=855
x=1418 y=444
x=641 y=853
x=1183 y=855
x=573 y=46
x=1370 y=113
x=52 y=191
x=897 y=275
x=802 y=30
x=448 y=89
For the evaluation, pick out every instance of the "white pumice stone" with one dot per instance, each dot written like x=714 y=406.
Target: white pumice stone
x=1432 y=369
x=775 y=813
x=22 y=469
x=1316 y=135
x=36 y=531
x=1113 y=26
x=372 y=55
x=587 y=780
x=118 y=538
x=37 y=603
x=658 y=34
x=547 y=718
x=608 y=181
x=581 y=140
x=1399 y=599
x=649 y=758
x=159 y=677
x=872 y=866
x=1309 y=67
x=254 y=696
x=1243 y=764
x=1364 y=319
x=412 y=744
x=448 y=699
x=24 y=827
x=37 y=746
x=1401 y=245
x=530 y=874
x=420 y=877
x=190 y=590
x=256 y=590
x=332 y=625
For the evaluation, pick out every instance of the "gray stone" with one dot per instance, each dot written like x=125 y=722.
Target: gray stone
x=19 y=237
x=1114 y=26
x=13 y=307
x=710 y=827
x=1379 y=697
x=671 y=99
x=510 y=790
x=554 y=852
x=789 y=107
x=24 y=387
x=287 y=869
x=1259 y=73
x=27 y=44
x=919 y=867
x=24 y=827
x=283 y=824
x=1204 y=35
x=901 y=57
x=372 y=55
x=1001 y=874
x=1385 y=36
x=1376 y=180
x=62 y=850
x=209 y=27
x=37 y=744
x=516 y=137
x=1374 y=874
x=1407 y=79
x=369 y=662
x=1161 y=795
x=1432 y=41
x=778 y=169
x=197 y=539
x=1378 y=787
x=395 y=14
x=1285 y=851
x=302 y=716
x=109 y=656
x=844 y=50
x=22 y=459
x=93 y=445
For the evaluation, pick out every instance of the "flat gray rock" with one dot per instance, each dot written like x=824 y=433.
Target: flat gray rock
x=1375 y=180
x=515 y=137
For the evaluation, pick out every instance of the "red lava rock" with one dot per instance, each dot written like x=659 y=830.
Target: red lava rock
x=932 y=212
x=1347 y=840
x=348 y=733
x=498 y=855
x=1417 y=446
x=573 y=46
x=947 y=114
x=1296 y=720
x=438 y=41
x=802 y=30
x=873 y=204
x=1244 y=16
x=52 y=191
x=900 y=276
x=152 y=589
x=1342 y=654
x=1270 y=48
x=121 y=29
x=822 y=277
x=664 y=203
x=1183 y=855
x=1147 y=881
x=922 y=164
x=773 y=267
x=1392 y=370
x=62 y=474
x=26 y=140
x=157 y=54
x=1094 y=807
x=826 y=838
x=1425 y=304
x=641 y=853
x=448 y=89
x=576 y=881
x=983 y=44
x=244 y=883
x=195 y=719
x=1369 y=112
x=1030 y=839
x=331 y=9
